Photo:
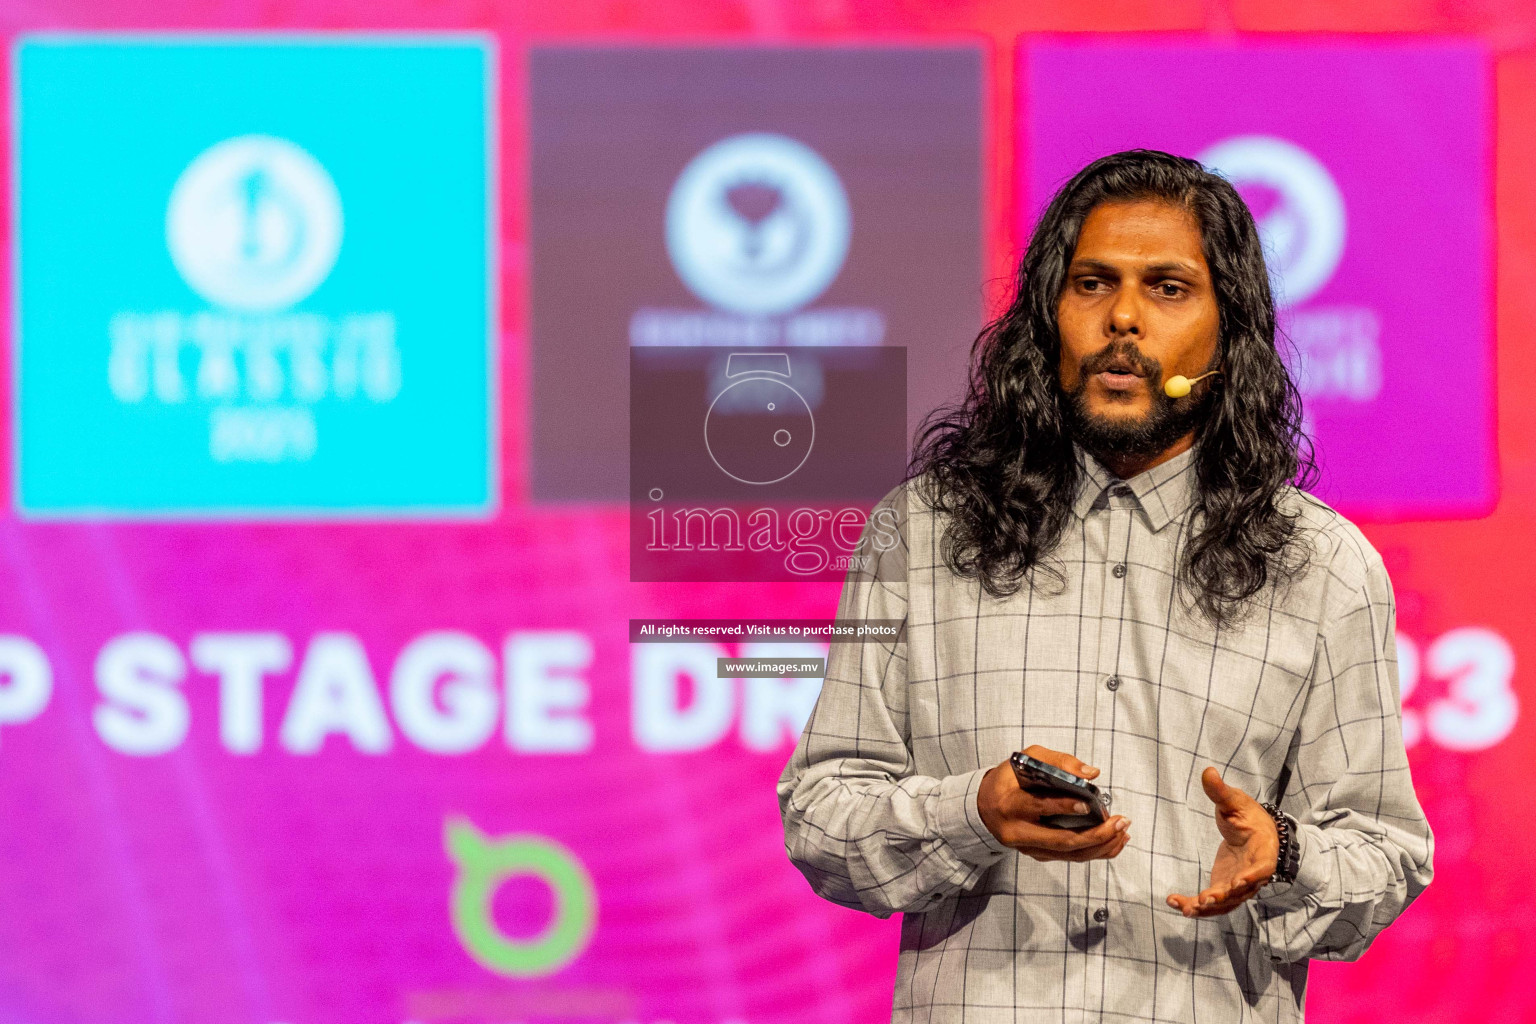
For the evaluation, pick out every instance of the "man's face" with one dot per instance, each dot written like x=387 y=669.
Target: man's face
x=1137 y=308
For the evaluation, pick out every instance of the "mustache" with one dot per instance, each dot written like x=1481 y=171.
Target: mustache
x=1120 y=354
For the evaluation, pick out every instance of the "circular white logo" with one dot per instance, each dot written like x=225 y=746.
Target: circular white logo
x=758 y=224
x=254 y=223
x=1303 y=230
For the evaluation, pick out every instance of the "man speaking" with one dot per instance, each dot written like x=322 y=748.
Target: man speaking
x=1104 y=560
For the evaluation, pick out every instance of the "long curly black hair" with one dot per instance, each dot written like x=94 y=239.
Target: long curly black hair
x=1000 y=462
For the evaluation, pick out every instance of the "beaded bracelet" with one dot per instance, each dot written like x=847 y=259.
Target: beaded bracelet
x=1286 y=861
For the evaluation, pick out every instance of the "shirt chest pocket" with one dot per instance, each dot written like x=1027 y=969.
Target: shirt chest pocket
x=1234 y=700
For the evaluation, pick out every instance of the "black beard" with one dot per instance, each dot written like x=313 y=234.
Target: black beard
x=1106 y=438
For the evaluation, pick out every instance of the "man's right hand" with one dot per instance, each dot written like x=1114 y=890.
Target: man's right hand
x=1013 y=814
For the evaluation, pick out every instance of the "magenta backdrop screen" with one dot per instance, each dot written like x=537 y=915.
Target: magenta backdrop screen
x=388 y=765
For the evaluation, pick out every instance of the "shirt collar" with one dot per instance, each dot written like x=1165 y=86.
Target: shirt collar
x=1164 y=492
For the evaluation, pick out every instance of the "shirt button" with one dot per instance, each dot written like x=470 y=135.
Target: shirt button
x=1118 y=570
x=1101 y=915
x=1113 y=683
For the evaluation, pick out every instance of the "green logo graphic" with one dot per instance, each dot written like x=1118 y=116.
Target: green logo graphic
x=484 y=865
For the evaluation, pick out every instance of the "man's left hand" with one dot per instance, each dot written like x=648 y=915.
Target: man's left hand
x=1246 y=858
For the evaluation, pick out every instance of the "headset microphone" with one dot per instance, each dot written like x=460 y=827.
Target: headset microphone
x=1178 y=385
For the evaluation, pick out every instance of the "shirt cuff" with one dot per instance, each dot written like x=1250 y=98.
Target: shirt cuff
x=958 y=820
x=1309 y=873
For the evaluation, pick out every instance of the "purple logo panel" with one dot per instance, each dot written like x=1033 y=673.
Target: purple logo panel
x=1367 y=169
x=739 y=198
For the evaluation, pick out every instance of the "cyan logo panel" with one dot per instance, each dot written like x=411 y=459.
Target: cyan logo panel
x=255 y=277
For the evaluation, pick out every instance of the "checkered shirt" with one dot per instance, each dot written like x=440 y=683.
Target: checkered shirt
x=879 y=797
